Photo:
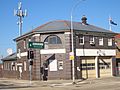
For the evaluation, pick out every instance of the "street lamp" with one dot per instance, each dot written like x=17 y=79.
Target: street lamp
x=72 y=36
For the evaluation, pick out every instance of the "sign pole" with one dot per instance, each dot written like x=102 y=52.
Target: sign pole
x=30 y=67
x=33 y=45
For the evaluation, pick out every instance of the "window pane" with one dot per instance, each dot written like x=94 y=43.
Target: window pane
x=53 y=40
x=110 y=42
x=58 y=41
x=100 y=41
x=81 y=39
x=91 y=38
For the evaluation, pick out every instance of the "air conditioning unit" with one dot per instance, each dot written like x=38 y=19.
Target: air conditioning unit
x=92 y=43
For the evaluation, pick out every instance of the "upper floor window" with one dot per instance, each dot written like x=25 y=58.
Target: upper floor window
x=81 y=40
x=101 y=41
x=109 y=41
x=92 y=40
x=53 y=39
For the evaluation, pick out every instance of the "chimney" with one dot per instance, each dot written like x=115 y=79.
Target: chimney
x=84 y=20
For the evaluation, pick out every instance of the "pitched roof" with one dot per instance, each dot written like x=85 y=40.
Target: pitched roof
x=60 y=25
x=10 y=57
x=64 y=25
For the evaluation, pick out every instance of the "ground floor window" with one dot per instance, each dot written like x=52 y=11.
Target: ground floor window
x=104 y=65
x=88 y=66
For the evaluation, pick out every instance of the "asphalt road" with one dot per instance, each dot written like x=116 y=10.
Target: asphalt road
x=111 y=83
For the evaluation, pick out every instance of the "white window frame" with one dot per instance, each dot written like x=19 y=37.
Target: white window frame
x=81 y=37
x=60 y=65
x=109 y=41
x=101 y=41
x=92 y=38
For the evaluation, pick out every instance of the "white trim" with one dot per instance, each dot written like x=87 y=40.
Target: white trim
x=81 y=37
x=19 y=64
x=22 y=54
x=47 y=51
x=67 y=33
x=95 y=52
x=96 y=67
x=52 y=51
x=36 y=35
x=101 y=41
x=109 y=41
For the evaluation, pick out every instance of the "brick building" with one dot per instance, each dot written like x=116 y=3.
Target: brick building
x=94 y=51
x=117 y=40
x=10 y=66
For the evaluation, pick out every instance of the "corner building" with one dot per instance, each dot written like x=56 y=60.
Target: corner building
x=94 y=51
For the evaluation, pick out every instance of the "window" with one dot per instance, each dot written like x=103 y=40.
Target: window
x=109 y=41
x=60 y=65
x=91 y=38
x=101 y=41
x=13 y=66
x=53 y=39
x=81 y=40
x=104 y=65
x=88 y=66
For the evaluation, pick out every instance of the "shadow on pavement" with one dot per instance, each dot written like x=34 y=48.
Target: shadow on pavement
x=12 y=86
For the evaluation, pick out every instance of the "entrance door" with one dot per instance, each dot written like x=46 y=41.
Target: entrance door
x=88 y=68
x=45 y=71
x=105 y=67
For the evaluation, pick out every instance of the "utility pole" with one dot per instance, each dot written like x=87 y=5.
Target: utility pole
x=21 y=14
x=72 y=40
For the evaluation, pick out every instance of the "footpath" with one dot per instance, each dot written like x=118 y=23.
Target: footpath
x=91 y=84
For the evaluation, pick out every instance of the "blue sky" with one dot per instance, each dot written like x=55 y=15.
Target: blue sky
x=43 y=11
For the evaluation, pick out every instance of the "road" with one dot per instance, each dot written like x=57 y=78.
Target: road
x=111 y=83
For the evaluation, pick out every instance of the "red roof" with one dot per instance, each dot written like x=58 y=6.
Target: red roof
x=117 y=36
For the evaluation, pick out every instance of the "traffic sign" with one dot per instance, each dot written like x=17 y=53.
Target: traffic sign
x=36 y=45
x=71 y=56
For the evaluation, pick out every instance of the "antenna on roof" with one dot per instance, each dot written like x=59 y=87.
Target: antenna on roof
x=21 y=14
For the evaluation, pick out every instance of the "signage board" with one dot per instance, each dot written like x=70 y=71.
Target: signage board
x=36 y=45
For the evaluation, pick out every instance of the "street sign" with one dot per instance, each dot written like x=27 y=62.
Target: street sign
x=71 y=56
x=36 y=45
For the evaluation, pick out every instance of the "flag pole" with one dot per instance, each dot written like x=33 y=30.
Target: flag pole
x=110 y=26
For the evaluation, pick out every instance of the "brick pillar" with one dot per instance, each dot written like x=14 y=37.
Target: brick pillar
x=37 y=60
x=68 y=63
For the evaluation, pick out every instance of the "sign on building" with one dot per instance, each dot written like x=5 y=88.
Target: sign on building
x=36 y=45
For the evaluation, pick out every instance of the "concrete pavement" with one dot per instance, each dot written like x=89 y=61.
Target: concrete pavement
x=111 y=83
